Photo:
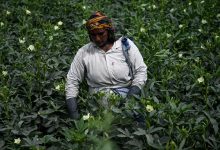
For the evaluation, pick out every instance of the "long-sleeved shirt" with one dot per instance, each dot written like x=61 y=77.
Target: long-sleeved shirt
x=104 y=70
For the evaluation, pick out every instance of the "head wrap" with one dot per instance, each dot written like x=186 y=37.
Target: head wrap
x=98 y=21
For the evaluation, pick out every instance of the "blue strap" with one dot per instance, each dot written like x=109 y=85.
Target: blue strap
x=121 y=91
x=125 y=47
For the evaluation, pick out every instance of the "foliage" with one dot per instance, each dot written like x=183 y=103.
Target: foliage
x=180 y=106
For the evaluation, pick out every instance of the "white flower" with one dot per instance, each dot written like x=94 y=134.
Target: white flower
x=22 y=41
x=154 y=6
x=202 y=47
x=2 y=24
x=180 y=26
x=149 y=108
x=204 y=21
x=4 y=73
x=171 y=10
x=28 y=12
x=197 y=59
x=31 y=48
x=84 y=21
x=216 y=36
x=177 y=41
x=111 y=92
x=17 y=141
x=190 y=3
x=142 y=29
x=50 y=38
x=202 y=2
x=8 y=12
x=184 y=10
x=218 y=15
x=57 y=87
x=180 y=55
x=143 y=6
x=168 y=35
x=86 y=117
x=60 y=23
x=200 y=30
x=84 y=7
x=200 y=80
x=56 y=28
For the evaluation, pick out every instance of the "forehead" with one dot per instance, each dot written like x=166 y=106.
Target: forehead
x=97 y=31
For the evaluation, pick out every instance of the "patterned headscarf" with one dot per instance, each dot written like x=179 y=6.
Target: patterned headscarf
x=98 y=21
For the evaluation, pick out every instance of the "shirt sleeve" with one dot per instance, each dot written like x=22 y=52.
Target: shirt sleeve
x=75 y=75
x=138 y=66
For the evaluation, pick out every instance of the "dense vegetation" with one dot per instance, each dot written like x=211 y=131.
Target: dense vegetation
x=179 y=40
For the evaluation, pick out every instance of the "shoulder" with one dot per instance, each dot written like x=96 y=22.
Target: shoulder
x=127 y=39
x=117 y=43
x=120 y=41
x=86 y=48
x=123 y=40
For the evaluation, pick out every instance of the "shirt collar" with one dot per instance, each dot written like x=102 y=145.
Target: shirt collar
x=116 y=45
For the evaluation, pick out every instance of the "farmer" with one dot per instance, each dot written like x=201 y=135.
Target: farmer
x=102 y=63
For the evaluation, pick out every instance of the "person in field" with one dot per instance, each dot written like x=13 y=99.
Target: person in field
x=103 y=64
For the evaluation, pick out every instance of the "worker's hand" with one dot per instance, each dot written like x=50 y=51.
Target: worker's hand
x=72 y=108
x=134 y=91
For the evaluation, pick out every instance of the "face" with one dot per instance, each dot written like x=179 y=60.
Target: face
x=99 y=37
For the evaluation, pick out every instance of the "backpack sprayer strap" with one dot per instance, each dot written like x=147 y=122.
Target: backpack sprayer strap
x=125 y=47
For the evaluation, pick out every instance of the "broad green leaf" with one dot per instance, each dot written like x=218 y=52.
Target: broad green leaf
x=152 y=130
x=140 y=132
x=182 y=144
x=212 y=121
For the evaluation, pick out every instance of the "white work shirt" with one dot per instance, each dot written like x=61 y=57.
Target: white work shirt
x=104 y=70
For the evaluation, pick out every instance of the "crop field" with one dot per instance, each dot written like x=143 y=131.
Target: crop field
x=180 y=44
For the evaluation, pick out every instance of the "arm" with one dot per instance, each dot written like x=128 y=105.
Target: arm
x=74 y=78
x=139 y=70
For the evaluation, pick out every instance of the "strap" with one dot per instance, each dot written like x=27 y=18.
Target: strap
x=125 y=47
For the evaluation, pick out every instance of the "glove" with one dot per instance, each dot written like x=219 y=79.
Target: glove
x=72 y=108
x=134 y=91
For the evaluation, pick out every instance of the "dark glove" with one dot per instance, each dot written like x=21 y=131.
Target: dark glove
x=134 y=91
x=72 y=108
